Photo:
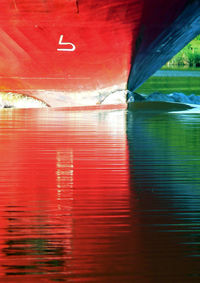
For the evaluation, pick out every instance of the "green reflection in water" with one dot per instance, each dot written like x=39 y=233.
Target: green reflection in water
x=164 y=151
x=174 y=82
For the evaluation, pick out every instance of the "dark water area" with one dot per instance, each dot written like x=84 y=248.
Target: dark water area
x=99 y=196
x=164 y=160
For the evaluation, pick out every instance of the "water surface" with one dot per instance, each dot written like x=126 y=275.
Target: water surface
x=65 y=199
x=186 y=81
x=99 y=196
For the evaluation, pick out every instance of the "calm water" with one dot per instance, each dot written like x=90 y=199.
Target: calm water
x=168 y=81
x=99 y=196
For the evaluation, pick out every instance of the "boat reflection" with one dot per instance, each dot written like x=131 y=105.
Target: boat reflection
x=99 y=196
x=164 y=176
x=64 y=206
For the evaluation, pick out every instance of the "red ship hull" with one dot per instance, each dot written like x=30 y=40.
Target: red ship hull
x=74 y=52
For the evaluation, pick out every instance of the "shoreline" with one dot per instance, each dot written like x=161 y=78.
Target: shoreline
x=189 y=56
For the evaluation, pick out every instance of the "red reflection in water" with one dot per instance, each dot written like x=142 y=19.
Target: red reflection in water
x=64 y=206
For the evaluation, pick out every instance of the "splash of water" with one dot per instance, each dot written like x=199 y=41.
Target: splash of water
x=177 y=97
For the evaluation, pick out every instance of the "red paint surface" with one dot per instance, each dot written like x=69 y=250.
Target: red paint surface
x=105 y=33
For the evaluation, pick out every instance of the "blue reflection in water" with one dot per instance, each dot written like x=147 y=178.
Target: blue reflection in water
x=177 y=73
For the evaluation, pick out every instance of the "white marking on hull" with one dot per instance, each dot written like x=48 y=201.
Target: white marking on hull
x=72 y=48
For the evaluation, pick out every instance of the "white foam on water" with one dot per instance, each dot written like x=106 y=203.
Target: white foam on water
x=194 y=110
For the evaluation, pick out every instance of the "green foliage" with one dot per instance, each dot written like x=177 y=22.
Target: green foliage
x=197 y=38
x=188 y=56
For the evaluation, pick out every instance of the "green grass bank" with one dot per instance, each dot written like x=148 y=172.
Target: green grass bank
x=189 y=56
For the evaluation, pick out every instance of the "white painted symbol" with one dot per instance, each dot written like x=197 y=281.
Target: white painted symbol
x=70 y=46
